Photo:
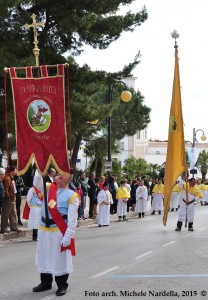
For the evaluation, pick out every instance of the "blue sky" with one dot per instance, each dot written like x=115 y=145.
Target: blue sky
x=155 y=72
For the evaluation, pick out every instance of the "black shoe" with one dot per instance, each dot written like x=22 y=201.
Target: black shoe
x=178 y=229
x=190 y=229
x=41 y=288
x=61 y=291
x=20 y=223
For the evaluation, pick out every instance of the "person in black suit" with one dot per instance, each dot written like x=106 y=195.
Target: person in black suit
x=91 y=194
x=50 y=176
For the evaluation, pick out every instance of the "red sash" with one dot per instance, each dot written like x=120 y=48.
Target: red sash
x=52 y=207
x=26 y=211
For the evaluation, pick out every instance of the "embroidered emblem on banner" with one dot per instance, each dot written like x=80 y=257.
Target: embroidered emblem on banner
x=39 y=115
x=173 y=124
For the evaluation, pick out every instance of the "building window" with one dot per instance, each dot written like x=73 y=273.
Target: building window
x=138 y=135
x=145 y=134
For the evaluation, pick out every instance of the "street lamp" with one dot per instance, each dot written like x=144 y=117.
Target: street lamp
x=203 y=138
x=125 y=96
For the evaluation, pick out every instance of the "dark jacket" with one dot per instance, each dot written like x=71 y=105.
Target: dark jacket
x=19 y=184
x=9 y=187
x=92 y=189
x=2 y=191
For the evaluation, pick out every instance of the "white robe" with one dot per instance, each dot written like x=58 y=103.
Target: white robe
x=186 y=209
x=49 y=258
x=157 y=202
x=104 y=199
x=174 y=202
x=141 y=199
x=35 y=211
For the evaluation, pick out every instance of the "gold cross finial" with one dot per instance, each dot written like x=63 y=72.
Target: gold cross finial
x=35 y=25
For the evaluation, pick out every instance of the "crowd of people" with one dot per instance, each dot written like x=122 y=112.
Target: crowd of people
x=54 y=222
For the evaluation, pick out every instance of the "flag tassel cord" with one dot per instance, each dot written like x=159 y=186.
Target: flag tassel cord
x=6 y=119
x=186 y=221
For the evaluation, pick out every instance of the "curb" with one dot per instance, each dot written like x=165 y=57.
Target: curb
x=27 y=233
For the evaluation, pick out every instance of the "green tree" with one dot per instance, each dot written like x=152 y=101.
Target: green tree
x=153 y=170
x=202 y=163
x=135 y=167
x=69 y=25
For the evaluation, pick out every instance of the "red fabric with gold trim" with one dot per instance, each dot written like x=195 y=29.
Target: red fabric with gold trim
x=26 y=211
x=52 y=207
x=39 y=106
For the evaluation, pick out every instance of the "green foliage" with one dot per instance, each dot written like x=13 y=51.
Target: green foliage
x=135 y=167
x=202 y=163
x=69 y=25
x=116 y=168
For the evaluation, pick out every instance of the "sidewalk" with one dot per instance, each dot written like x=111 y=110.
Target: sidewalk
x=80 y=223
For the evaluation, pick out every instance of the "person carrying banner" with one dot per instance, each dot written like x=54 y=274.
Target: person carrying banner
x=55 y=245
x=190 y=194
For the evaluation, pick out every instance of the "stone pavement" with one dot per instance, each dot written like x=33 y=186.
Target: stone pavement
x=80 y=223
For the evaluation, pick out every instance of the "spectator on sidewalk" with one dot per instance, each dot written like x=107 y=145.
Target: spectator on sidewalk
x=98 y=189
x=19 y=187
x=84 y=185
x=2 y=190
x=112 y=190
x=79 y=193
x=8 y=210
x=91 y=194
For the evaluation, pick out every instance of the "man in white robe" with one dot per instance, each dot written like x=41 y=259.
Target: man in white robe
x=104 y=199
x=190 y=194
x=50 y=260
x=141 y=199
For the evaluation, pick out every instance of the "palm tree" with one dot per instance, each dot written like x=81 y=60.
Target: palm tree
x=202 y=163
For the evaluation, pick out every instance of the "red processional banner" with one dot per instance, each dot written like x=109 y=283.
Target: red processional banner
x=39 y=107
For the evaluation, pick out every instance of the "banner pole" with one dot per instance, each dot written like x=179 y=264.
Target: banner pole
x=45 y=203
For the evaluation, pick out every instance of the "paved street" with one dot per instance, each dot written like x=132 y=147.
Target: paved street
x=128 y=260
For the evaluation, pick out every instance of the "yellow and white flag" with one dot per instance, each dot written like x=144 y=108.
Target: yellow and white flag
x=176 y=155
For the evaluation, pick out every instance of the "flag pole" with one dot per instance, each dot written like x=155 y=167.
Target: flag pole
x=36 y=52
x=176 y=157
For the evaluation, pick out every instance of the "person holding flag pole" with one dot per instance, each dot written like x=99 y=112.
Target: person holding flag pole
x=176 y=155
x=190 y=194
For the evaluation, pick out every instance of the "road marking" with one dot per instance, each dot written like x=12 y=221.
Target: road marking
x=119 y=276
x=104 y=272
x=187 y=234
x=202 y=228
x=170 y=243
x=48 y=297
x=143 y=255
